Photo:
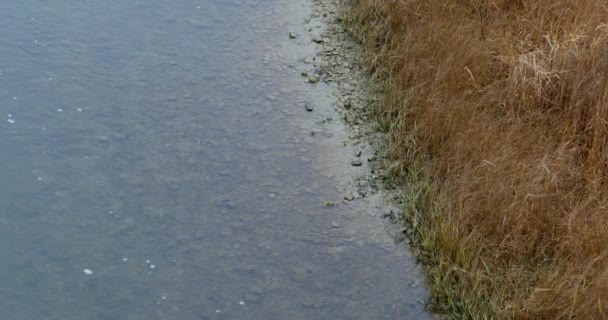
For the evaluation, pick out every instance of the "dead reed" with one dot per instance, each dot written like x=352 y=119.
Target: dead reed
x=498 y=116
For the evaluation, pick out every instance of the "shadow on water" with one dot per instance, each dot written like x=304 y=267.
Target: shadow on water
x=157 y=164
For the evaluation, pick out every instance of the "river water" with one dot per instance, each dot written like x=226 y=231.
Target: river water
x=157 y=163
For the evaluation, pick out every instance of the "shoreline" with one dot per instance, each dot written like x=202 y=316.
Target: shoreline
x=359 y=94
x=341 y=68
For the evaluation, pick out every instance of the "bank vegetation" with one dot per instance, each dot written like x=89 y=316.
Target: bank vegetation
x=497 y=112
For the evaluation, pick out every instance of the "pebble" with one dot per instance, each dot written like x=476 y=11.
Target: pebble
x=313 y=79
x=87 y=271
x=292 y=35
x=10 y=120
x=356 y=163
x=308 y=107
x=358 y=153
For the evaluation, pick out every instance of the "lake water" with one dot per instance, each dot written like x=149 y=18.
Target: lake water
x=157 y=164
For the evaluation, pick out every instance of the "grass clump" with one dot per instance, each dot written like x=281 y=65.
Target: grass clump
x=497 y=112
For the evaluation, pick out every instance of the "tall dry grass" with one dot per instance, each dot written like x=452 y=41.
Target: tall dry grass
x=498 y=114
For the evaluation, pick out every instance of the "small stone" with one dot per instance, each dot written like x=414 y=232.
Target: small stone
x=87 y=272
x=358 y=153
x=304 y=74
x=313 y=79
x=330 y=204
x=308 y=107
x=317 y=40
x=335 y=225
x=348 y=118
x=356 y=163
x=292 y=35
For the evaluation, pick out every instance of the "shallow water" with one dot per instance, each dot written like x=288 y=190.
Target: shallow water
x=157 y=163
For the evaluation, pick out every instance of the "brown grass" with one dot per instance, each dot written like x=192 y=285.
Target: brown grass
x=498 y=116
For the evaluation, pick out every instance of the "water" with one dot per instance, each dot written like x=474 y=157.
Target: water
x=157 y=164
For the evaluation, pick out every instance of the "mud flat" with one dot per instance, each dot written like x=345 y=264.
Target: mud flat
x=337 y=66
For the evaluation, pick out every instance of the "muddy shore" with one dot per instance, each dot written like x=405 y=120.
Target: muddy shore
x=339 y=65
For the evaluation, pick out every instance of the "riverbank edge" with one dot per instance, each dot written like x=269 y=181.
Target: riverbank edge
x=411 y=190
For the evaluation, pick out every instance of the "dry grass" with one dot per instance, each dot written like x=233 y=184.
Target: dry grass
x=498 y=115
